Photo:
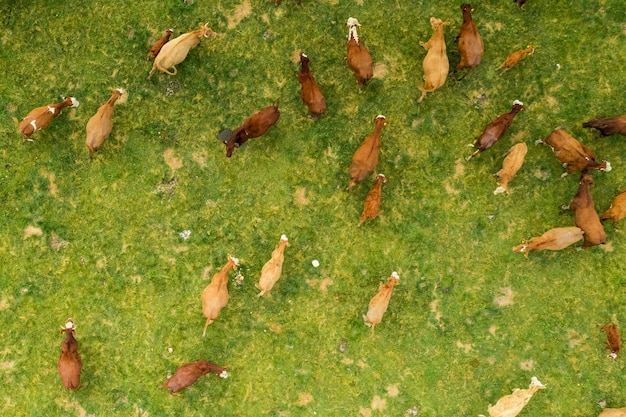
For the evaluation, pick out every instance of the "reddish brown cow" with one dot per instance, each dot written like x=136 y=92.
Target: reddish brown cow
x=572 y=153
x=514 y=58
x=608 y=125
x=371 y=204
x=254 y=126
x=189 y=373
x=365 y=158
x=41 y=117
x=614 y=339
x=156 y=48
x=617 y=211
x=496 y=129
x=359 y=58
x=70 y=363
x=585 y=215
x=470 y=44
x=309 y=90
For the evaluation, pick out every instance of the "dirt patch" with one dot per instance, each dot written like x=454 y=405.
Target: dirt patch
x=365 y=412
x=393 y=391
x=7 y=366
x=242 y=11
x=505 y=298
x=467 y=347
x=52 y=187
x=575 y=338
x=323 y=284
x=173 y=162
x=607 y=247
x=492 y=330
x=166 y=189
x=299 y=197
x=56 y=243
x=30 y=231
x=304 y=398
x=379 y=403
x=459 y=168
x=380 y=70
x=451 y=190
x=528 y=365
x=200 y=158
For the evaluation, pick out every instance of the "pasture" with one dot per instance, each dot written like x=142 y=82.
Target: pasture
x=105 y=242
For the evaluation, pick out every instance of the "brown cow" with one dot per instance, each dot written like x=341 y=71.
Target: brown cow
x=359 y=58
x=520 y=3
x=70 y=363
x=613 y=412
x=613 y=338
x=470 y=44
x=617 y=211
x=189 y=373
x=511 y=164
x=175 y=51
x=156 y=48
x=585 y=215
x=496 y=129
x=215 y=295
x=372 y=200
x=309 y=90
x=436 y=64
x=379 y=303
x=271 y=271
x=40 y=117
x=554 y=239
x=514 y=58
x=365 y=158
x=608 y=125
x=572 y=153
x=254 y=126
x=100 y=125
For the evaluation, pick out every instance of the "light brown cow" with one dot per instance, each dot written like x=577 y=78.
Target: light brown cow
x=189 y=373
x=617 y=211
x=271 y=271
x=379 y=303
x=359 y=58
x=371 y=204
x=156 y=48
x=365 y=158
x=613 y=412
x=470 y=44
x=512 y=404
x=70 y=363
x=554 y=239
x=514 y=58
x=576 y=156
x=100 y=124
x=608 y=126
x=215 y=295
x=494 y=131
x=436 y=64
x=175 y=51
x=585 y=215
x=511 y=164
x=40 y=117
x=309 y=90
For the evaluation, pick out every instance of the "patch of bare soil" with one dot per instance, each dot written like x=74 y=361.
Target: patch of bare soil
x=242 y=11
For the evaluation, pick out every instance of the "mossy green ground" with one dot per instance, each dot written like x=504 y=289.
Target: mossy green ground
x=99 y=241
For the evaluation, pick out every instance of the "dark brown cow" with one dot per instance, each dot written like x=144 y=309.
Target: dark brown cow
x=70 y=363
x=359 y=58
x=585 y=215
x=189 y=373
x=608 y=125
x=41 y=117
x=365 y=158
x=496 y=129
x=309 y=90
x=254 y=126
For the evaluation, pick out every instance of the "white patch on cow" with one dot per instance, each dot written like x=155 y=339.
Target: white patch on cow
x=235 y=260
x=75 y=102
x=304 y=55
x=284 y=237
x=498 y=190
x=52 y=110
x=395 y=275
x=380 y=116
x=353 y=24
x=608 y=167
x=519 y=103
x=34 y=125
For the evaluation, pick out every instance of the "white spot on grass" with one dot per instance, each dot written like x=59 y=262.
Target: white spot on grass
x=185 y=234
x=315 y=263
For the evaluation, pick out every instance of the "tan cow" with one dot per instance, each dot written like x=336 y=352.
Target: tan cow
x=100 y=125
x=379 y=303
x=617 y=211
x=512 y=404
x=613 y=412
x=271 y=271
x=576 y=156
x=511 y=164
x=514 y=58
x=436 y=64
x=215 y=295
x=554 y=239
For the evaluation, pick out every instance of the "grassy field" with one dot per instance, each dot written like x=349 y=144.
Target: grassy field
x=470 y=320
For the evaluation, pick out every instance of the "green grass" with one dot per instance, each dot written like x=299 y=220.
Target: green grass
x=109 y=252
